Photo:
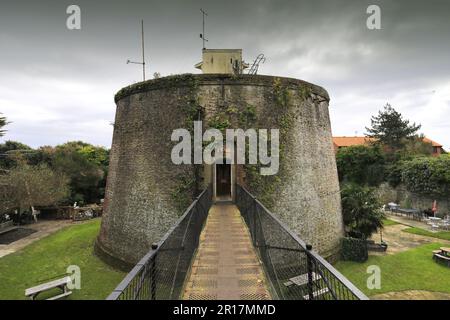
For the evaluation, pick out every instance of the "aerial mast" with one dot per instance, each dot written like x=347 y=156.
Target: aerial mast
x=203 y=35
x=143 y=52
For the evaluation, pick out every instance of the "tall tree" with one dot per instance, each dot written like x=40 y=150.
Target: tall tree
x=42 y=155
x=390 y=129
x=416 y=146
x=27 y=186
x=85 y=174
x=13 y=152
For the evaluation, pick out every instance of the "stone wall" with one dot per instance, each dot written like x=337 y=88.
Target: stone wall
x=407 y=199
x=146 y=192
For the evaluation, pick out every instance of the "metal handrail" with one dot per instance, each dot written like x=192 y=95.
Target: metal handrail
x=152 y=278
x=306 y=249
x=137 y=270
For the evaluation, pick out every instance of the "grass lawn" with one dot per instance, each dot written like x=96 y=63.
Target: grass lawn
x=412 y=269
x=50 y=256
x=444 y=235
x=387 y=222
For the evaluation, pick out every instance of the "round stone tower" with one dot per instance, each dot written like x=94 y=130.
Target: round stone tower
x=146 y=192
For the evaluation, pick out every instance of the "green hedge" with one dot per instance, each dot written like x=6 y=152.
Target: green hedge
x=429 y=176
x=354 y=250
x=361 y=164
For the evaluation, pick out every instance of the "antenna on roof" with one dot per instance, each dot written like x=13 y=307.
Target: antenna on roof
x=203 y=35
x=143 y=52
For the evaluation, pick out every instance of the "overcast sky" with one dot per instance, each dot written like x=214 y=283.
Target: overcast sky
x=58 y=84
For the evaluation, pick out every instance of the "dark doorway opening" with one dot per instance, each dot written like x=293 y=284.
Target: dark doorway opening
x=223 y=180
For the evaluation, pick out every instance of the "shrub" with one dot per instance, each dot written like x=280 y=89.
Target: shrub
x=427 y=176
x=361 y=164
x=354 y=250
x=361 y=211
x=394 y=174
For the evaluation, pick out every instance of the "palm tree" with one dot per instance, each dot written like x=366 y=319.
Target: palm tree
x=3 y=123
x=361 y=211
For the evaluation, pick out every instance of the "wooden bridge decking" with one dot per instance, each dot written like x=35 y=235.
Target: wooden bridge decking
x=226 y=265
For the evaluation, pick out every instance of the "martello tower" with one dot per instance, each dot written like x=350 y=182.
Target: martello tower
x=146 y=192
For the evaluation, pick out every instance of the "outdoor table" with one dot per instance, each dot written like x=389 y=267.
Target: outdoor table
x=435 y=218
x=445 y=251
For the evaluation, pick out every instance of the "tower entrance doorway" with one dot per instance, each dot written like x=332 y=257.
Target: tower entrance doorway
x=223 y=181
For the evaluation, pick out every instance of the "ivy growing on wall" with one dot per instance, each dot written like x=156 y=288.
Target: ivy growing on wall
x=304 y=92
x=220 y=121
x=281 y=93
x=188 y=184
x=190 y=105
x=285 y=116
x=182 y=194
x=247 y=117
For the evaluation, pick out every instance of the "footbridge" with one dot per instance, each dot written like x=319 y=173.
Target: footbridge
x=237 y=251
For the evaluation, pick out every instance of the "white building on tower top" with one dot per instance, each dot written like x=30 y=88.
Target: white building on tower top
x=227 y=61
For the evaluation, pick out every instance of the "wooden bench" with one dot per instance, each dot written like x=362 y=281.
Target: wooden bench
x=33 y=292
x=440 y=257
x=301 y=280
x=317 y=293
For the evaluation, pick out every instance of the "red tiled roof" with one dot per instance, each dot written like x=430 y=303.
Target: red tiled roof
x=433 y=143
x=353 y=141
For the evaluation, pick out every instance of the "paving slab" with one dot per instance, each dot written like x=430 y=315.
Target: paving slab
x=399 y=241
x=43 y=228
x=226 y=265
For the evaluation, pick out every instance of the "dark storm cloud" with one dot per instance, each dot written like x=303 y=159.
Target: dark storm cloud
x=57 y=84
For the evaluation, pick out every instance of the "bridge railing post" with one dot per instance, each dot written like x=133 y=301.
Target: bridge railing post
x=271 y=235
x=309 y=266
x=254 y=213
x=153 y=273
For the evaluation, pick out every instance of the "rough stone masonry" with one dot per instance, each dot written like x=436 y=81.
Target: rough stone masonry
x=146 y=192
